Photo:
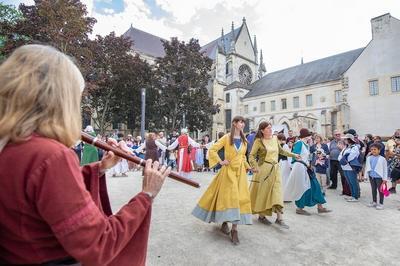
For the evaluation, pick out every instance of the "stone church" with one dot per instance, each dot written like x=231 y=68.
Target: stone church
x=355 y=89
x=236 y=63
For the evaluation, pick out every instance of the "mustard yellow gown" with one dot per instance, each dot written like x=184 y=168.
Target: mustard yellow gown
x=266 y=185
x=227 y=199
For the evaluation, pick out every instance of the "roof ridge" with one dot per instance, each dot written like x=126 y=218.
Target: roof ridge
x=133 y=28
x=316 y=60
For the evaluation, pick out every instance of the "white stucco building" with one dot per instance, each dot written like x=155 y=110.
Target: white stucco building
x=373 y=93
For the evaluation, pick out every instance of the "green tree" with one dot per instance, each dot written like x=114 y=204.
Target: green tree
x=114 y=82
x=9 y=16
x=61 y=23
x=182 y=78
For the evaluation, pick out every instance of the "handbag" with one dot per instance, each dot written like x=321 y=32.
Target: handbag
x=383 y=189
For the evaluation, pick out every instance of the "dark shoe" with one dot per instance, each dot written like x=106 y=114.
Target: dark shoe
x=324 y=210
x=264 y=220
x=392 y=190
x=302 y=212
x=287 y=201
x=331 y=187
x=281 y=224
x=235 y=237
x=225 y=228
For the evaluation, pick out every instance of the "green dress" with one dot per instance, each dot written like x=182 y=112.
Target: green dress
x=90 y=153
x=266 y=186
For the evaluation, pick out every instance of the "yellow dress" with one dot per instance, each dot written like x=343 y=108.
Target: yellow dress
x=227 y=199
x=266 y=186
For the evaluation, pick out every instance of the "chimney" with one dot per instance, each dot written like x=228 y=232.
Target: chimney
x=380 y=26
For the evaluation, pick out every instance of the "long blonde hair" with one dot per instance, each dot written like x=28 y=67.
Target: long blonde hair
x=40 y=92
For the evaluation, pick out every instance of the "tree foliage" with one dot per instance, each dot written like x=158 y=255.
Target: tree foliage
x=60 y=23
x=9 y=16
x=182 y=77
x=175 y=86
x=115 y=79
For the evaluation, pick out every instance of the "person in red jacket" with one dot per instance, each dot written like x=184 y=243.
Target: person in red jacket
x=52 y=211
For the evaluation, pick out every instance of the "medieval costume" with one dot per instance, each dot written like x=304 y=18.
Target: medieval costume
x=151 y=146
x=266 y=187
x=122 y=167
x=90 y=153
x=52 y=210
x=285 y=164
x=227 y=199
x=303 y=186
x=184 y=159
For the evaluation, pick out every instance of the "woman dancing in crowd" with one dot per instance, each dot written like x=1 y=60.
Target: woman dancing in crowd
x=302 y=186
x=227 y=199
x=266 y=186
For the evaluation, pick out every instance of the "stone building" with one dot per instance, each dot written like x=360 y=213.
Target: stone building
x=235 y=60
x=373 y=92
x=307 y=95
x=356 y=89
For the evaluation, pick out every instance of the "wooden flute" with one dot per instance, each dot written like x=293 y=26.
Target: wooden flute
x=104 y=146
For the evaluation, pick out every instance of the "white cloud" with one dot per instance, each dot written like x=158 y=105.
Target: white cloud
x=108 y=11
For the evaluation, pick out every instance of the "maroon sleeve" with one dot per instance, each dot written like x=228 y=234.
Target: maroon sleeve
x=97 y=186
x=85 y=233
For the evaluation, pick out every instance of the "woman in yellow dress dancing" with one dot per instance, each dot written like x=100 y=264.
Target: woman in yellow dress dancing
x=227 y=198
x=266 y=186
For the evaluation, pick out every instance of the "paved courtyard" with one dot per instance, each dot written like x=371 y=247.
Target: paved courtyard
x=351 y=235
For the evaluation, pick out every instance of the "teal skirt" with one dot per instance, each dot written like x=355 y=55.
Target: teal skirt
x=312 y=196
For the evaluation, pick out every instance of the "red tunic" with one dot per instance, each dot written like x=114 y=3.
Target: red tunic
x=183 y=155
x=50 y=208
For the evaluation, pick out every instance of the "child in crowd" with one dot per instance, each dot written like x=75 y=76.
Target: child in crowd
x=321 y=166
x=172 y=159
x=376 y=170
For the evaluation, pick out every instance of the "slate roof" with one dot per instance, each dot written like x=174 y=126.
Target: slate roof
x=234 y=85
x=318 y=71
x=210 y=48
x=149 y=44
x=146 y=43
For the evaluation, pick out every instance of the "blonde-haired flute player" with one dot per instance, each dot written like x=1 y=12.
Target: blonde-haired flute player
x=53 y=211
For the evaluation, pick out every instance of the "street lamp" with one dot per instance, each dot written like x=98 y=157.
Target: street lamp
x=142 y=121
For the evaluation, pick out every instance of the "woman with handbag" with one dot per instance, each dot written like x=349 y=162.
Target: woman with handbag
x=348 y=160
x=303 y=186
x=266 y=186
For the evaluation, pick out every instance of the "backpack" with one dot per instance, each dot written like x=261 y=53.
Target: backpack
x=356 y=164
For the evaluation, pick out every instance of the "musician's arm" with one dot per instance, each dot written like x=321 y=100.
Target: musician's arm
x=88 y=235
x=141 y=148
x=193 y=143
x=173 y=145
x=160 y=145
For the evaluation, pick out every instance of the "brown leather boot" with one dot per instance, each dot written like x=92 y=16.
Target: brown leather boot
x=235 y=237
x=225 y=228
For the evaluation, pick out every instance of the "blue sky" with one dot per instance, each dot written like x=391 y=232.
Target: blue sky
x=286 y=29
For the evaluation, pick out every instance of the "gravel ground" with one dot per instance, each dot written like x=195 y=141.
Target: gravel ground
x=352 y=234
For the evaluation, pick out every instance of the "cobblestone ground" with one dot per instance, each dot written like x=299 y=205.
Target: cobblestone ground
x=352 y=234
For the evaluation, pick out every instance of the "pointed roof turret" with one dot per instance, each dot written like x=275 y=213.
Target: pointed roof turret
x=233 y=38
x=222 y=46
x=255 y=44
x=261 y=69
x=255 y=49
